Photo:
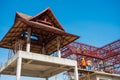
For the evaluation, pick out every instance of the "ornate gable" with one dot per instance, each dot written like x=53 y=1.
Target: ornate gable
x=47 y=17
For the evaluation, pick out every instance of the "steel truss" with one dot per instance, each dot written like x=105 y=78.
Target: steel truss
x=109 y=54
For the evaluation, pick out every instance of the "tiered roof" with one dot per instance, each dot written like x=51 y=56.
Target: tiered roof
x=44 y=27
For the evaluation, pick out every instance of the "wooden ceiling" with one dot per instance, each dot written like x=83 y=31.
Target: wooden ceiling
x=44 y=29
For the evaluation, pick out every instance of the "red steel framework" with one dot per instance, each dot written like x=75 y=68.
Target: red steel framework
x=109 y=54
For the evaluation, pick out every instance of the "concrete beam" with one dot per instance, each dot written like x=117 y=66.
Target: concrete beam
x=29 y=61
x=47 y=65
x=49 y=59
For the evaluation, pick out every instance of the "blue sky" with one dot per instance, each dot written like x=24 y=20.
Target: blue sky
x=96 y=21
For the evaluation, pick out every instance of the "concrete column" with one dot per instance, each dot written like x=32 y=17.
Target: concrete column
x=59 y=53
x=46 y=78
x=58 y=46
x=28 y=40
x=19 y=65
x=76 y=73
x=97 y=78
x=56 y=77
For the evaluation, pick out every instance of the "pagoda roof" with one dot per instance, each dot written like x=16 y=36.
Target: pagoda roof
x=44 y=29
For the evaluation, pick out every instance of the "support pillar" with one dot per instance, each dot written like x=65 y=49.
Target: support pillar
x=28 y=40
x=46 y=78
x=97 y=78
x=59 y=53
x=19 y=65
x=76 y=73
x=56 y=77
x=58 y=46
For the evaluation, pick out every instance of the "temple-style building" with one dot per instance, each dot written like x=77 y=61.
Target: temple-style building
x=33 y=40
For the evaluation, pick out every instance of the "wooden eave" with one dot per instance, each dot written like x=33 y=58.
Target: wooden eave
x=50 y=36
x=23 y=16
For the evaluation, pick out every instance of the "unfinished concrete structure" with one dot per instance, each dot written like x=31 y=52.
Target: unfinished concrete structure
x=35 y=41
x=100 y=76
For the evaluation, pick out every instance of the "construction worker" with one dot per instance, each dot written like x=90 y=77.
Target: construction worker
x=100 y=65
x=84 y=51
x=83 y=63
x=89 y=64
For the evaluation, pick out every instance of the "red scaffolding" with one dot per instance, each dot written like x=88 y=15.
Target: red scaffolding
x=109 y=54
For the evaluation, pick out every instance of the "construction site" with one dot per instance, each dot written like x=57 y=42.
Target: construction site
x=40 y=47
